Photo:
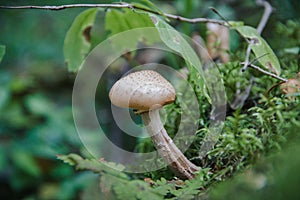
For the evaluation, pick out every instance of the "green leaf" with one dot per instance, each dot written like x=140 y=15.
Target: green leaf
x=77 y=42
x=2 y=52
x=4 y=95
x=94 y=165
x=175 y=41
x=148 y=5
x=25 y=161
x=163 y=187
x=260 y=48
x=39 y=104
x=188 y=189
x=118 y=21
x=136 y=189
x=292 y=50
x=236 y=23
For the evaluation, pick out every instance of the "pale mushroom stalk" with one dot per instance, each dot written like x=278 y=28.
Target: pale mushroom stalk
x=166 y=148
x=147 y=91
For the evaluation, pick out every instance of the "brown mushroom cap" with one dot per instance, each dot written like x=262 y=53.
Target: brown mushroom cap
x=142 y=90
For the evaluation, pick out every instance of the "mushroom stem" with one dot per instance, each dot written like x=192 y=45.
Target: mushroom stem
x=179 y=164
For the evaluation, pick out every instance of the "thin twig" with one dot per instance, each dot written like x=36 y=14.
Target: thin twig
x=121 y=5
x=248 y=52
x=267 y=12
x=263 y=21
x=260 y=27
x=62 y=7
x=265 y=72
x=195 y=20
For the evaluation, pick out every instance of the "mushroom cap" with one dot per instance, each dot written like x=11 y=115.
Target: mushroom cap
x=142 y=90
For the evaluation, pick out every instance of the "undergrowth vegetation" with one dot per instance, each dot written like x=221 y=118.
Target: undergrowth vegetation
x=261 y=127
x=254 y=156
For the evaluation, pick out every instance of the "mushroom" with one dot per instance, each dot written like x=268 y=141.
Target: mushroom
x=147 y=91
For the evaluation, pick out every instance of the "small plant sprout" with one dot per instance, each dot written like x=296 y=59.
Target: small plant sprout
x=147 y=91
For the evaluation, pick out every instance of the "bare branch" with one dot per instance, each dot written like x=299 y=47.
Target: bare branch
x=121 y=5
x=62 y=7
x=260 y=27
x=265 y=72
x=267 y=12
x=248 y=52
x=195 y=20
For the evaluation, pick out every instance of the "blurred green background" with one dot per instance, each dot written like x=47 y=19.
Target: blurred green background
x=36 y=120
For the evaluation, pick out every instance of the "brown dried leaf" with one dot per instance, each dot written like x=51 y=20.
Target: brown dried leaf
x=291 y=86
